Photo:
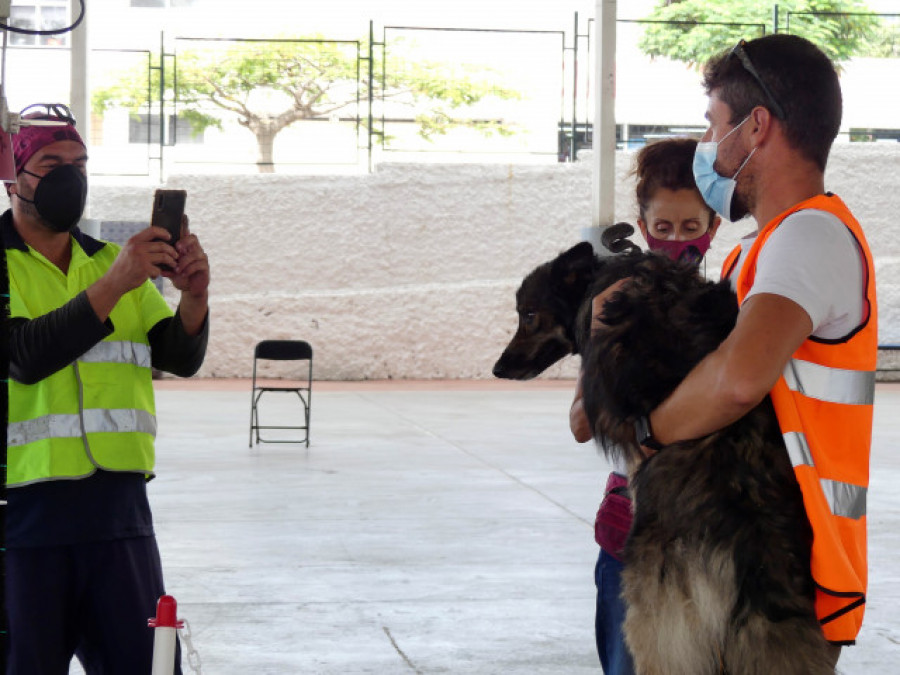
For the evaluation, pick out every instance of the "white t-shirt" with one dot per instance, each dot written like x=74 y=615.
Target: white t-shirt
x=813 y=259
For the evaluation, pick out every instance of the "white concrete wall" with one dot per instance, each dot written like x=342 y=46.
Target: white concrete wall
x=411 y=272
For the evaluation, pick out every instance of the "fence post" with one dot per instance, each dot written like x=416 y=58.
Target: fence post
x=774 y=18
x=574 y=144
x=371 y=85
x=162 y=100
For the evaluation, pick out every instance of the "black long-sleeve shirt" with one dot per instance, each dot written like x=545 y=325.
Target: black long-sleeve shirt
x=41 y=346
x=60 y=512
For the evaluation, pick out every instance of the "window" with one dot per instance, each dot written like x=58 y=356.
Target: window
x=177 y=131
x=44 y=15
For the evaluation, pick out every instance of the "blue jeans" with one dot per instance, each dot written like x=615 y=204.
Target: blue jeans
x=614 y=655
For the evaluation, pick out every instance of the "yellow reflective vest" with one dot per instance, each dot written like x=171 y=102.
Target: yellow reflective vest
x=824 y=404
x=99 y=411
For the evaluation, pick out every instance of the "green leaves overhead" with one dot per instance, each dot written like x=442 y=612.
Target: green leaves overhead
x=698 y=28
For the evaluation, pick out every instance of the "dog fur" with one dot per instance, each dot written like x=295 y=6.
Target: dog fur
x=717 y=564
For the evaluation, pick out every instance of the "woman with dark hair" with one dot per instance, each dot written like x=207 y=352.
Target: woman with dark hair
x=672 y=215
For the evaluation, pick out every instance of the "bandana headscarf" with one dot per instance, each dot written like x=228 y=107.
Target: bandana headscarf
x=32 y=138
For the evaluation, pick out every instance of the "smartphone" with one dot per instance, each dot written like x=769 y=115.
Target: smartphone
x=168 y=209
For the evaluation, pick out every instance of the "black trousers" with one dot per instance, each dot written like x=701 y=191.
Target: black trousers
x=86 y=600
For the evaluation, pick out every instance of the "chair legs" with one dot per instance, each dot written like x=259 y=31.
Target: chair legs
x=255 y=426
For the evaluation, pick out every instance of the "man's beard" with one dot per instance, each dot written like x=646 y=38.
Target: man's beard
x=739 y=207
x=29 y=209
x=743 y=201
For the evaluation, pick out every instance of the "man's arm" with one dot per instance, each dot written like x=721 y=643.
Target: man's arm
x=191 y=277
x=179 y=344
x=733 y=379
x=138 y=261
x=39 y=347
x=578 y=421
x=174 y=350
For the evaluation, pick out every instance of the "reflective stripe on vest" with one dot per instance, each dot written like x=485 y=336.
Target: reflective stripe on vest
x=835 y=385
x=844 y=499
x=118 y=352
x=96 y=420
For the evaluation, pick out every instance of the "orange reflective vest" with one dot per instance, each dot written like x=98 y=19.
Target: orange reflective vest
x=824 y=403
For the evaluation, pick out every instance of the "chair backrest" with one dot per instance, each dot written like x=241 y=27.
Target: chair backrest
x=283 y=350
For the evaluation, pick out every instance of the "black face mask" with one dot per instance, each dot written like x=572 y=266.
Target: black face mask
x=59 y=197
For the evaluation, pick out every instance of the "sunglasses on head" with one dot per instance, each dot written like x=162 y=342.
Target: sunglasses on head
x=744 y=58
x=49 y=111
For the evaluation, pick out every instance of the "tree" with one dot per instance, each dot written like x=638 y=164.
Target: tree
x=699 y=34
x=883 y=43
x=306 y=79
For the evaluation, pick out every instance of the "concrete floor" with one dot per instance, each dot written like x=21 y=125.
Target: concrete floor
x=429 y=528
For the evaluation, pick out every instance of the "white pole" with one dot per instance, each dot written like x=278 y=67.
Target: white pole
x=79 y=87
x=603 y=207
x=165 y=626
x=163 y=651
x=80 y=94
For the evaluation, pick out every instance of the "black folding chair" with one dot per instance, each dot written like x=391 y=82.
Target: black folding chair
x=282 y=350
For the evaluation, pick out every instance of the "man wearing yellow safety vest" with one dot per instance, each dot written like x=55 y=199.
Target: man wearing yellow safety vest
x=86 y=327
x=806 y=332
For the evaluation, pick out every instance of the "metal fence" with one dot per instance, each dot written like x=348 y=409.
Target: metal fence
x=502 y=91
x=419 y=93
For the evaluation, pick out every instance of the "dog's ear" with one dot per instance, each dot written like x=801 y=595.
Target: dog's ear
x=574 y=265
x=579 y=254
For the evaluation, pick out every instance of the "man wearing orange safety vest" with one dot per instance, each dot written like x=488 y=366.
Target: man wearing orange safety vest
x=806 y=332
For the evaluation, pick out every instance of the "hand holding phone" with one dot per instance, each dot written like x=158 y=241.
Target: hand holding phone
x=168 y=212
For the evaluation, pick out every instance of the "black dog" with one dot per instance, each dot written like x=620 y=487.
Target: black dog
x=717 y=565
x=549 y=304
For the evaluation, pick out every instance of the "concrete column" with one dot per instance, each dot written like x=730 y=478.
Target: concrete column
x=80 y=91
x=604 y=139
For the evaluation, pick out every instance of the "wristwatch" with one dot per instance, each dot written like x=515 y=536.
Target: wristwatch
x=644 y=434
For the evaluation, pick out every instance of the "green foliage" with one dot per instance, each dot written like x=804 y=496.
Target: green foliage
x=433 y=91
x=882 y=42
x=314 y=78
x=698 y=38
x=305 y=79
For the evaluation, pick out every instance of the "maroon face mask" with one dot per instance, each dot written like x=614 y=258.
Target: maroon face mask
x=691 y=251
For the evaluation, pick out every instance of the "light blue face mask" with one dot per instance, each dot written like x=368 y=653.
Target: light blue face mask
x=717 y=191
